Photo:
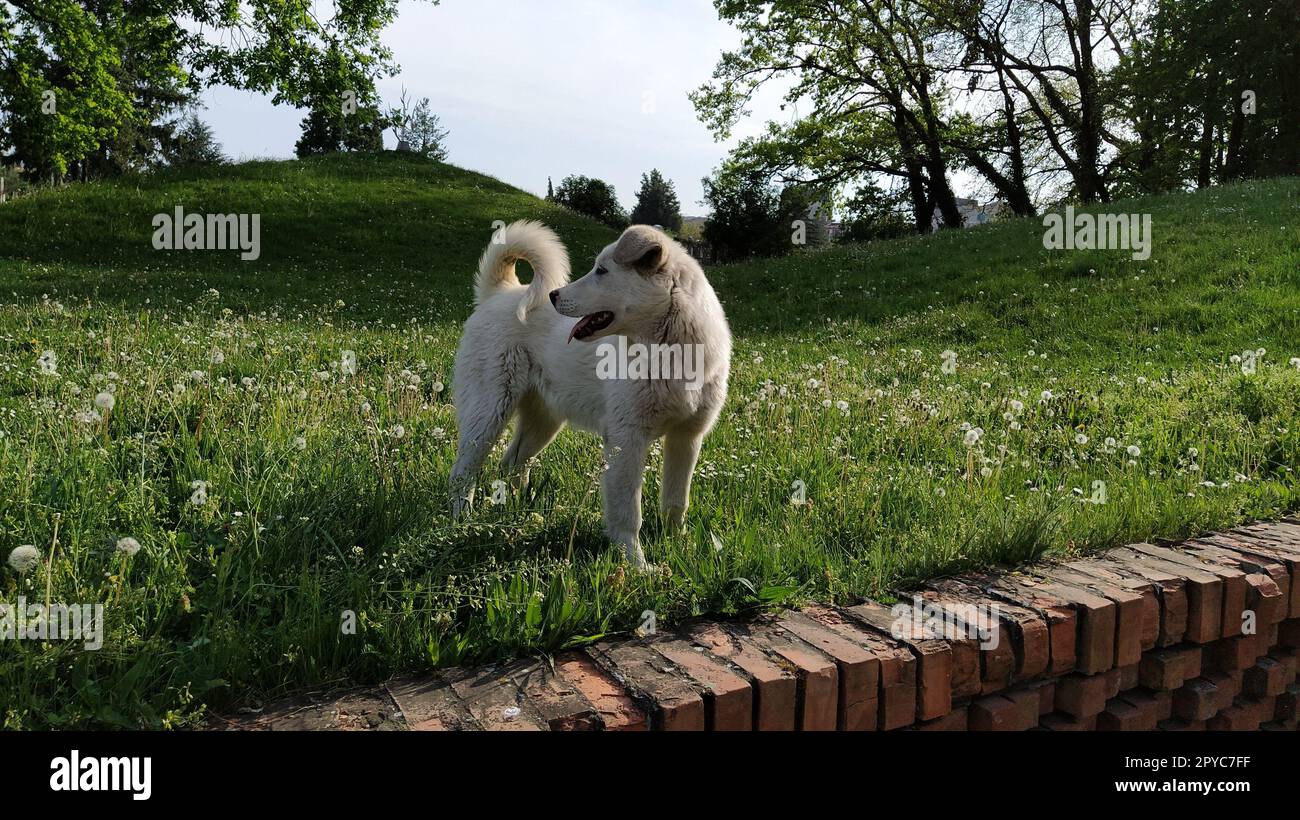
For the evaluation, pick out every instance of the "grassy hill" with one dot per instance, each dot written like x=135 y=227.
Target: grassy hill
x=279 y=497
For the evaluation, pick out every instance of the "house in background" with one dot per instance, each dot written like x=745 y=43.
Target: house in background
x=972 y=213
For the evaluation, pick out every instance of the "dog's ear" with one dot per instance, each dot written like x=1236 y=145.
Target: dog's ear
x=641 y=247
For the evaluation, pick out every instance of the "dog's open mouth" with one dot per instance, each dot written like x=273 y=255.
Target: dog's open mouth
x=589 y=324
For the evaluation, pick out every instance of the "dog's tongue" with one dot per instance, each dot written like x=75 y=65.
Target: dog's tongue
x=578 y=325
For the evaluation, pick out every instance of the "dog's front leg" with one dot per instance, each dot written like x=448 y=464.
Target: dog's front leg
x=681 y=450
x=625 y=456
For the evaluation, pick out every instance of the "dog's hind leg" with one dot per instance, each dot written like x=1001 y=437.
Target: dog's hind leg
x=681 y=450
x=481 y=415
x=535 y=427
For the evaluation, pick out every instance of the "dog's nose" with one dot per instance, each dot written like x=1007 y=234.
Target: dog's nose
x=555 y=294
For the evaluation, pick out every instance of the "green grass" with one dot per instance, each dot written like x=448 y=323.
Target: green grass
x=315 y=506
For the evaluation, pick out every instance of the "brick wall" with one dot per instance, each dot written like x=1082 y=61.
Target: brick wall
x=1188 y=637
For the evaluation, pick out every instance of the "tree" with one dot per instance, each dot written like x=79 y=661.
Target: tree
x=593 y=197
x=747 y=216
x=331 y=127
x=194 y=144
x=418 y=129
x=74 y=74
x=656 y=203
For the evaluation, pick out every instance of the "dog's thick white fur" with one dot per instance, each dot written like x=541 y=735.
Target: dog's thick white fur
x=527 y=353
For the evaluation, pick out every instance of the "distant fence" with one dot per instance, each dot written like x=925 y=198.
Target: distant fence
x=699 y=250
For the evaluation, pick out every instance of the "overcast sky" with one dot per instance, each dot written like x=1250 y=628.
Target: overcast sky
x=531 y=88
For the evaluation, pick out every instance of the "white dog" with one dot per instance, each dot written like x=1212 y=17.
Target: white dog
x=528 y=353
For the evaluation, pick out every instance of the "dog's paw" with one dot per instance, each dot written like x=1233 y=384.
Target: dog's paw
x=674 y=518
x=636 y=558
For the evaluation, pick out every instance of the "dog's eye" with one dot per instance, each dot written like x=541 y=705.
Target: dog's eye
x=601 y=271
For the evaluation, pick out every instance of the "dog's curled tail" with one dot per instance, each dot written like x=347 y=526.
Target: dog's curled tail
x=537 y=245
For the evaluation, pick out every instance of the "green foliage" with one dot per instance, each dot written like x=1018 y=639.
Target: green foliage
x=114 y=69
x=593 y=197
x=194 y=144
x=656 y=203
x=419 y=129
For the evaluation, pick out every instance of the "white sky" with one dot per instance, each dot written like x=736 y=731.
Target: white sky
x=531 y=88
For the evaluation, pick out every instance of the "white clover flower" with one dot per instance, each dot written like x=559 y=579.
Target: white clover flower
x=24 y=557
x=48 y=363
x=105 y=401
x=128 y=546
x=973 y=436
x=1133 y=450
x=200 y=495
x=349 y=363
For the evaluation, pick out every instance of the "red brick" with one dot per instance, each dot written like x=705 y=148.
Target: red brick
x=1027 y=630
x=671 y=701
x=1234 y=719
x=728 y=698
x=617 y=710
x=1204 y=592
x=859 y=671
x=955 y=721
x=1130 y=611
x=1266 y=549
x=1028 y=703
x=558 y=701
x=1146 y=591
x=1233 y=654
x=817 y=674
x=1148 y=705
x=1163 y=669
x=898 y=695
x=1234 y=583
x=940 y=667
x=1288 y=704
x=1170 y=589
x=1081 y=696
x=494 y=701
x=1227 y=686
x=429 y=704
x=977 y=623
x=1264 y=598
x=1121 y=716
x=1197 y=699
x=775 y=689
x=996 y=713
x=1267 y=678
